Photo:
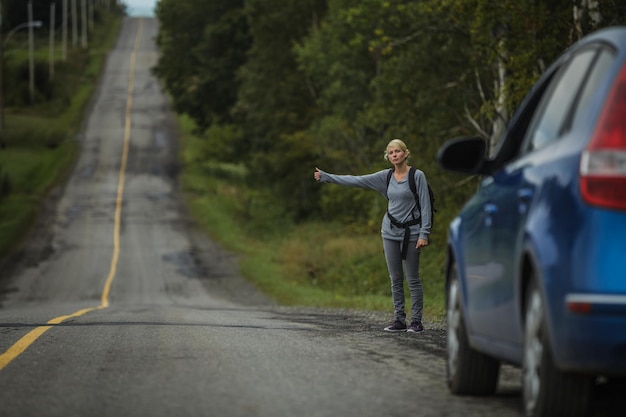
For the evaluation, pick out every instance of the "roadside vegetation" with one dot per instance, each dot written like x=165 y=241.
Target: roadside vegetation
x=268 y=89
x=312 y=263
x=39 y=136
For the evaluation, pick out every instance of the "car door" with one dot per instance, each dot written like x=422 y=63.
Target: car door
x=508 y=194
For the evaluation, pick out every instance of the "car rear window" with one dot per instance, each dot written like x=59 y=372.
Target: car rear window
x=556 y=105
x=604 y=62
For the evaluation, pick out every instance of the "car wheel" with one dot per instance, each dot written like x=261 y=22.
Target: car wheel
x=547 y=392
x=468 y=371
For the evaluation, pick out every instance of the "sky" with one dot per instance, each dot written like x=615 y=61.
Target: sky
x=140 y=7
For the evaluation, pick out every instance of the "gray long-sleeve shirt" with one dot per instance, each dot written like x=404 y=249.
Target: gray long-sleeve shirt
x=401 y=206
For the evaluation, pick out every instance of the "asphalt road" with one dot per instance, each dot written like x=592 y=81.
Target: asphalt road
x=119 y=306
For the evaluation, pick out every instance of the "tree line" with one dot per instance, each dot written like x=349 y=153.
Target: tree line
x=15 y=12
x=62 y=31
x=281 y=86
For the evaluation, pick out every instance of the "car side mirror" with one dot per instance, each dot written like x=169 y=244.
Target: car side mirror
x=465 y=155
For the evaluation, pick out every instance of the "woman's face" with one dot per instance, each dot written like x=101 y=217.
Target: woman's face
x=395 y=154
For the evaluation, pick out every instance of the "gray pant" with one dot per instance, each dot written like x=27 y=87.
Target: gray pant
x=393 y=256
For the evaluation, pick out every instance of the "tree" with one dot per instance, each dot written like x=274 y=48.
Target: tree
x=292 y=83
x=202 y=45
x=274 y=97
x=340 y=67
x=512 y=42
x=274 y=105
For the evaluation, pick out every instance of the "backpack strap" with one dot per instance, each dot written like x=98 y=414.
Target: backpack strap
x=389 y=174
x=407 y=225
x=413 y=187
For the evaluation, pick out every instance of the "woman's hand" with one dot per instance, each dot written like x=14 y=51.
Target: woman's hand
x=317 y=174
x=421 y=243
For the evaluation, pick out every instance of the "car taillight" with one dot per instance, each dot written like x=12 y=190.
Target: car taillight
x=603 y=163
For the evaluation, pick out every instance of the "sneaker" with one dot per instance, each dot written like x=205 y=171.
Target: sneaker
x=416 y=327
x=396 y=326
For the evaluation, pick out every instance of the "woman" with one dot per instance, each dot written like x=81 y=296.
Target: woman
x=404 y=215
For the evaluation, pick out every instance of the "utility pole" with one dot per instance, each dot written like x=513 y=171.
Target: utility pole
x=92 y=6
x=83 y=22
x=52 y=23
x=2 y=144
x=74 y=24
x=31 y=53
x=64 y=30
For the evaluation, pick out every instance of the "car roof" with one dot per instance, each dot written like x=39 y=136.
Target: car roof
x=616 y=35
x=613 y=36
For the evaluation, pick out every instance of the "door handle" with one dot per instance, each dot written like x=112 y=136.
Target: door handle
x=525 y=194
x=490 y=209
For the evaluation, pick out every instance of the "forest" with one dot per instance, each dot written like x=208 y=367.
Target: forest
x=282 y=86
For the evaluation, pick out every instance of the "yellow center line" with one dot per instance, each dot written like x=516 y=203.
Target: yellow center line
x=29 y=338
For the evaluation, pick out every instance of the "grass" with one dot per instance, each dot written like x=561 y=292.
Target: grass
x=310 y=264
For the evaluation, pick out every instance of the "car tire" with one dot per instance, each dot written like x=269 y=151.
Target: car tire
x=548 y=392
x=469 y=372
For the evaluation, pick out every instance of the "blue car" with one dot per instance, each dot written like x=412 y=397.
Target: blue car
x=536 y=266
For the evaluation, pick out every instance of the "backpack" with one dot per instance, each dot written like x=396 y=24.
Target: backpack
x=413 y=188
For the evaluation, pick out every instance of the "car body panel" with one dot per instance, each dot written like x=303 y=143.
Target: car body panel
x=528 y=212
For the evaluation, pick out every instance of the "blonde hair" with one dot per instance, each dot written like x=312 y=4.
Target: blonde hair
x=397 y=143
